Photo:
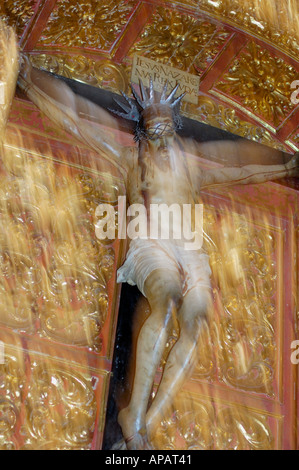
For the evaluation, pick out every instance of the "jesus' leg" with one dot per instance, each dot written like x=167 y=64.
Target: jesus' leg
x=180 y=363
x=163 y=291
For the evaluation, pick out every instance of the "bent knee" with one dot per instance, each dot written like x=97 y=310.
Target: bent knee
x=196 y=310
x=162 y=288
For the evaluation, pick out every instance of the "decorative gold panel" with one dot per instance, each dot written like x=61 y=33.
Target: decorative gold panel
x=261 y=82
x=58 y=295
x=282 y=32
x=196 y=423
x=60 y=406
x=89 y=24
x=17 y=13
x=45 y=290
x=47 y=403
x=181 y=41
x=245 y=257
x=100 y=73
x=12 y=390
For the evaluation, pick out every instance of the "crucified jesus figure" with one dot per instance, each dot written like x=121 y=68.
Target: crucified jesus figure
x=175 y=281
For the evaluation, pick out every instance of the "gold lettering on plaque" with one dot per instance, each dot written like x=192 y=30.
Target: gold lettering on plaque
x=144 y=68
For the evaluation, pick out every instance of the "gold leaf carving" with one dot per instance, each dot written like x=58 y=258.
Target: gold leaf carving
x=202 y=424
x=181 y=41
x=17 y=13
x=283 y=33
x=87 y=23
x=12 y=388
x=53 y=270
x=261 y=82
x=105 y=74
x=244 y=265
x=60 y=408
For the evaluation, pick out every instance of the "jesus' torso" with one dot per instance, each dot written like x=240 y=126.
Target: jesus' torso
x=159 y=175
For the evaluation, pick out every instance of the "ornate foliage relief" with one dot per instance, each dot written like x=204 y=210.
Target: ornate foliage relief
x=54 y=271
x=100 y=73
x=261 y=82
x=89 y=24
x=244 y=15
x=181 y=41
x=45 y=404
x=56 y=295
x=204 y=424
x=17 y=13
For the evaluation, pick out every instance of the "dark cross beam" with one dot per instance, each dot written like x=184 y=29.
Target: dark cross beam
x=193 y=129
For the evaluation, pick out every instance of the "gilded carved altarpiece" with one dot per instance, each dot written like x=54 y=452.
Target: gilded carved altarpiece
x=59 y=345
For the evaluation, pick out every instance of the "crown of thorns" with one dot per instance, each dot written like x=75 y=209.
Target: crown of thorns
x=133 y=109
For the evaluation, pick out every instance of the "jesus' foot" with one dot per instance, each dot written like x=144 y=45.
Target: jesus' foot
x=135 y=437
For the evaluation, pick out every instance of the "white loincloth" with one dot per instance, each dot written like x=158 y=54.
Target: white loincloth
x=146 y=255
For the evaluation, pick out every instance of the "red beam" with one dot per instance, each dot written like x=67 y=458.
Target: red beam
x=226 y=56
x=37 y=25
x=133 y=30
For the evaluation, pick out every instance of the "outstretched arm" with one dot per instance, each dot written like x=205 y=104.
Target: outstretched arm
x=71 y=112
x=248 y=174
x=9 y=65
